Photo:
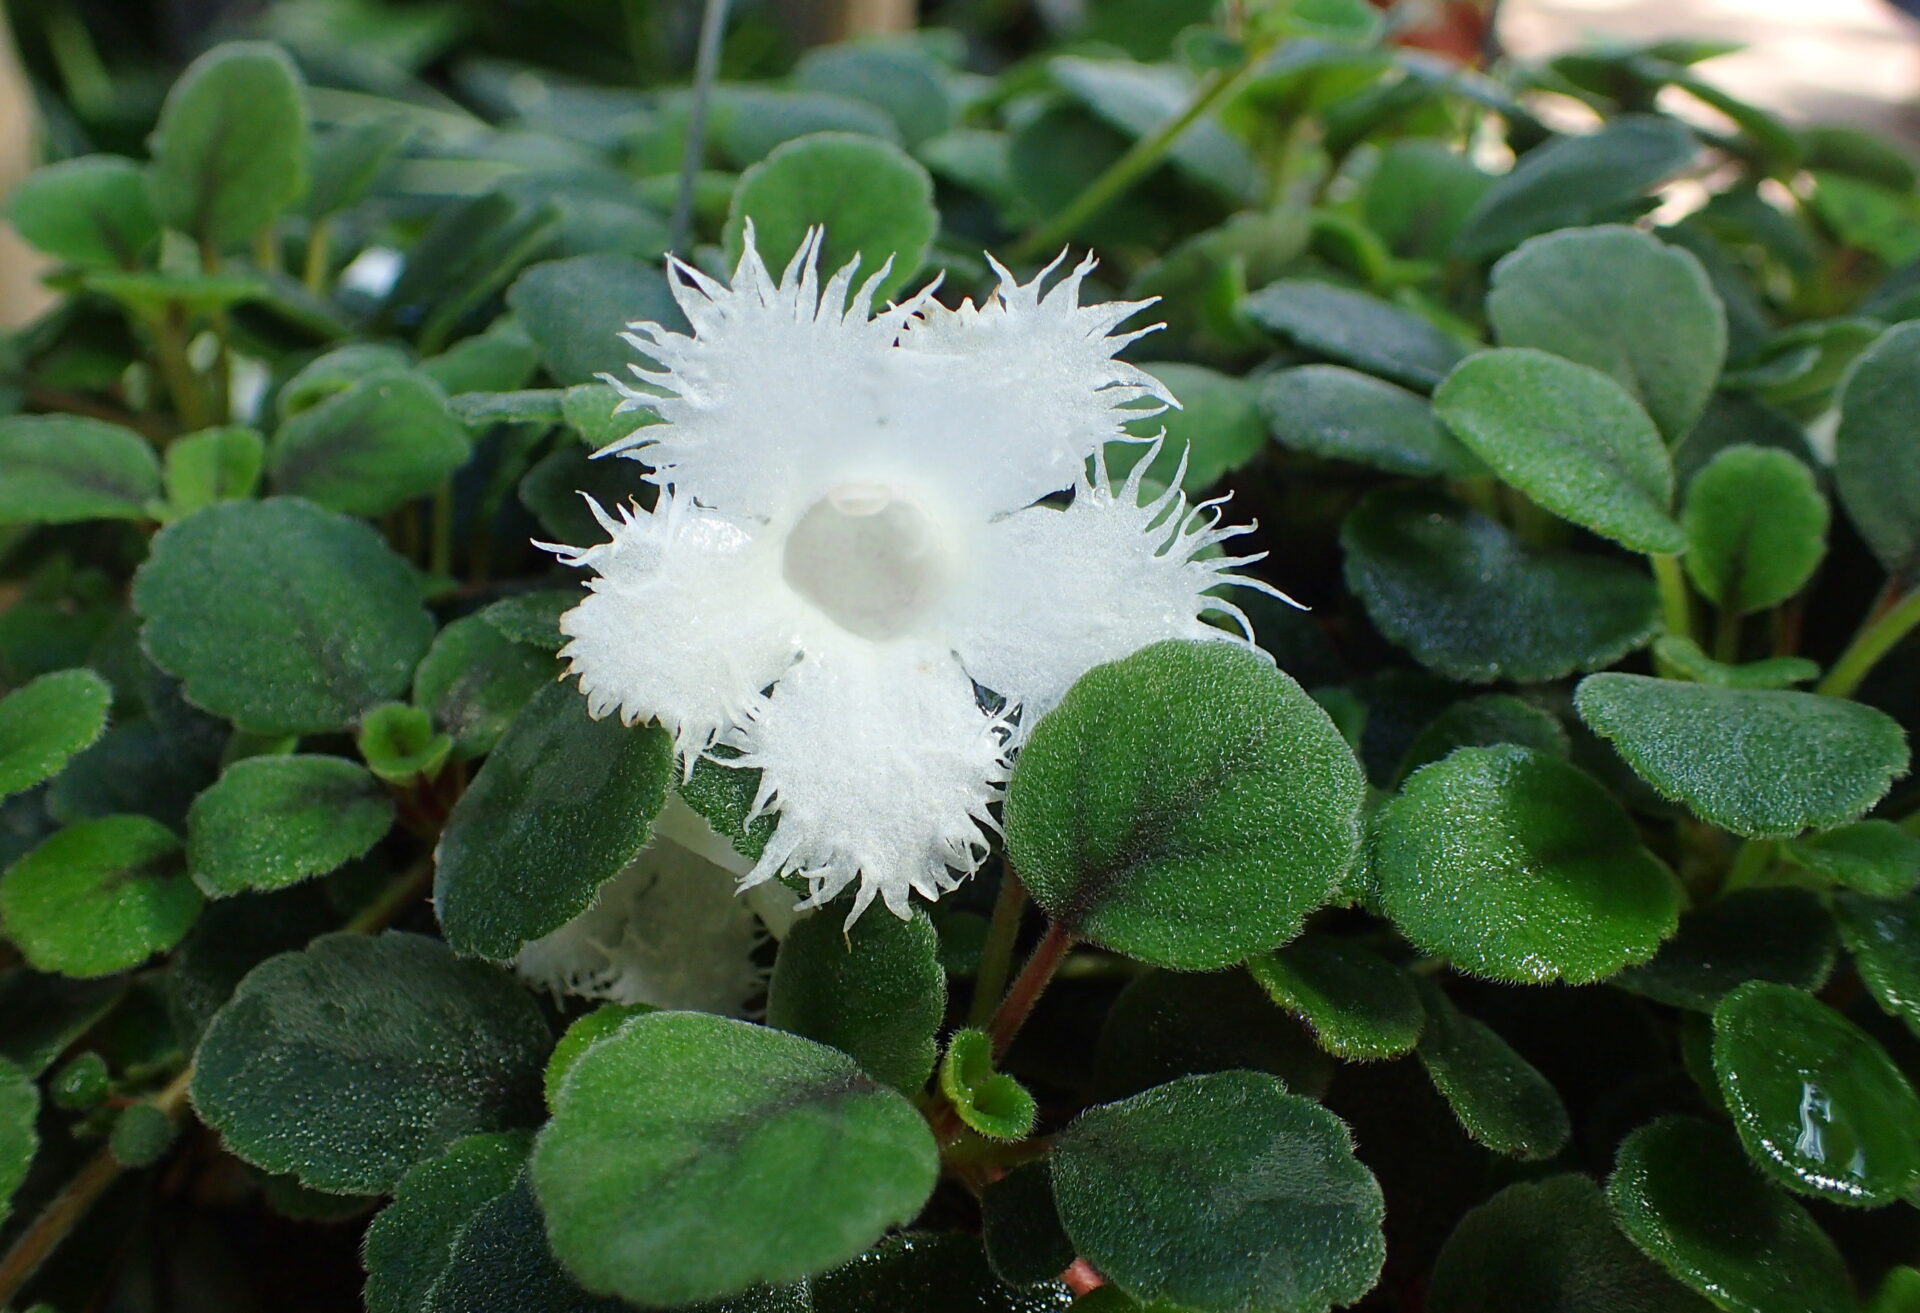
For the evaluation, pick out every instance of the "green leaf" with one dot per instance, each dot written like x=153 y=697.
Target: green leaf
x=273 y=821
x=1216 y=430
x=1020 y=1227
x=1734 y=419
x=557 y=487
x=1219 y=1193
x=336 y=371
x=1358 y=1005
x=1756 y=528
x=900 y=80
x=1875 y=857
x=282 y=617
x=400 y=745
x=384 y=441
x=583 y=1034
x=1576 y=181
x=348 y=1062
x=230 y=150
x=1169 y=1024
x=560 y=807
x=1690 y=661
x=991 y=1103
x=99 y=897
x=474 y=680
x=1883 y=934
x=1353 y=328
x=1340 y=414
x=1685 y=1194
x=1549 y=1245
x=1186 y=806
x=46 y=1014
x=1521 y=868
x=1484 y=722
x=1761 y=763
x=1500 y=1098
x=1623 y=302
x=91 y=211
x=153 y=295
x=1876 y=468
x=1816 y=1100
x=943 y=1272
x=1783 y=935
x=1470 y=601
x=500 y=1259
x=213 y=465
x=873 y=199
x=411 y=1242
x=591 y=410
x=1569 y=438
x=499 y=360
x=345 y=159
x=44 y=723
x=874 y=990
x=59 y=469
x=575 y=309
x=19 y=1111
x=751 y=122
x=533 y=618
x=691 y=1156
x=1139 y=100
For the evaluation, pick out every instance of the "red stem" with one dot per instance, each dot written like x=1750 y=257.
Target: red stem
x=1032 y=982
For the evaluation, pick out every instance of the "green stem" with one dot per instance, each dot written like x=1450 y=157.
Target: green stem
x=1874 y=640
x=319 y=256
x=223 y=331
x=1749 y=864
x=170 y=352
x=1140 y=160
x=1726 y=635
x=996 y=954
x=1676 y=603
x=266 y=249
x=440 y=553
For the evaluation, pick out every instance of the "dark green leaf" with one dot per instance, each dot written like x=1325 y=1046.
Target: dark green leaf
x=1875 y=857
x=927 y=1273
x=1216 y=430
x=274 y=821
x=1168 y=1024
x=1501 y=1099
x=58 y=469
x=1521 y=868
x=1353 y=328
x=872 y=198
x=1340 y=414
x=99 y=897
x=500 y=1260
x=1549 y=1246
x=691 y=1157
x=1756 y=527
x=93 y=210
x=1816 y=1100
x=557 y=487
x=1735 y=419
x=1883 y=934
x=561 y=806
x=1877 y=464
x=1690 y=661
x=281 y=616
x=346 y=159
x=410 y=1243
x=1358 y=1005
x=575 y=309
x=1020 y=1227
x=499 y=360
x=45 y=1014
x=474 y=680
x=230 y=151
x=1219 y=1193
x=19 y=1110
x=1761 y=763
x=1187 y=806
x=1624 y=303
x=533 y=618
x=991 y=1103
x=1484 y=722
x=1457 y=590
x=1783 y=935
x=350 y=1061
x=43 y=724
x=874 y=990
x=1569 y=438
x=1687 y=1196
x=382 y=442
x=751 y=122
x=901 y=80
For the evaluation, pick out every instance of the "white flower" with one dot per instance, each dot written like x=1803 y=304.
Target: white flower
x=850 y=575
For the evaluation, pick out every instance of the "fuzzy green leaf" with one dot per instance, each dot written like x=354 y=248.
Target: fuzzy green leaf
x=411 y=1242
x=273 y=821
x=474 y=680
x=1883 y=934
x=1690 y=661
x=230 y=150
x=874 y=990
x=93 y=211
x=99 y=897
x=1358 y=1005
x=1756 y=528
x=1221 y=1193
x=1876 y=465
x=213 y=465
x=380 y=443
x=60 y=469
x=1353 y=328
x=19 y=1111
x=1484 y=722
x=1341 y=414
x=1760 y=763
x=690 y=1157
x=1875 y=857
x=399 y=744
x=583 y=1034
x=1500 y=1098
x=990 y=1102
x=1783 y=935
x=500 y=1259
x=45 y=722
x=1187 y=806
x=574 y=310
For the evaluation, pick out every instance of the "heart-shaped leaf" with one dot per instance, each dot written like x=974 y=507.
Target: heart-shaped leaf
x=990 y=1102
x=273 y=821
x=874 y=990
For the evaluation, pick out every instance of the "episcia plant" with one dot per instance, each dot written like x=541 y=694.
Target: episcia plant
x=541 y=774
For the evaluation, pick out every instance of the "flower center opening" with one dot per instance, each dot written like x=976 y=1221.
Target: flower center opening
x=872 y=561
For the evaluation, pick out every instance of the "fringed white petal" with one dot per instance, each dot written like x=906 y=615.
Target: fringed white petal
x=881 y=768
x=1060 y=591
x=687 y=620
x=667 y=931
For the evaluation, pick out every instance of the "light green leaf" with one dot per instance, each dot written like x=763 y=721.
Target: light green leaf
x=273 y=821
x=45 y=722
x=575 y=310
x=59 y=469
x=230 y=150
x=382 y=442
x=93 y=211
x=399 y=744
x=1876 y=467
x=213 y=465
x=99 y=897
x=1341 y=414
x=1353 y=328
x=1756 y=527
x=991 y=1103
x=874 y=990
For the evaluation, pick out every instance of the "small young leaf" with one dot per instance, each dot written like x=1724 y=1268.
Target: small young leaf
x=273 y=821
x=690 y=1157
x=1570 y=438
x=1187 y=806
x=332 y=1063
x=1876 y=465
x=1816 y=1100
x=99 y=897
x=1759 y=763
x=1687 y=1196
x=560 y=807
x=1624 y=303
x=384 y=441
x=19 y=1112
x=1358 y=1005
x=410 y=1243
x=281 y=616
x=1783 y=935
x=1690 y=661
x=1341 y=414
x=474 y=680
x=1353 y=328
x=1457 y=590
x=574 y=310
x=230 y=150
x=1177 y=1194
x=991 y=1103
x=1756 y=528
x=44 y=723
x=872 y=198
x=1520 y=867
x=874 y=990
x=210 y=466
x=60 y=469
x=1500 y=1098
x=1875 y=857
x=91 y=211
x=1883 y=934
x=399 y=744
